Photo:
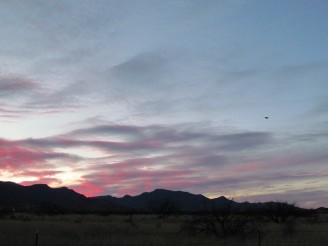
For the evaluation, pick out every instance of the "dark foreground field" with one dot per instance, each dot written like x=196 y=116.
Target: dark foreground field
x=27 y=229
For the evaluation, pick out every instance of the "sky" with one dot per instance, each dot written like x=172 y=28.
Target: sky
x=115 y=97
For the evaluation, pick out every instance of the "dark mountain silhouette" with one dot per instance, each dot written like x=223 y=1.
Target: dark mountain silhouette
x=184 y=201
x=321 y=210
x=42 y=198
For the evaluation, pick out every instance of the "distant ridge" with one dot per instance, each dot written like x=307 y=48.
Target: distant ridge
x=42 y=198
x=185 y=201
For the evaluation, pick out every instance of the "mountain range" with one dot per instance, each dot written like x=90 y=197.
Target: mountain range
x=42 y=198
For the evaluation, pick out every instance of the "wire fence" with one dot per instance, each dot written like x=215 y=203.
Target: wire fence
x=265 y=238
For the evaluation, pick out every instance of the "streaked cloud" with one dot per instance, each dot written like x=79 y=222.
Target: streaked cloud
x=15 y=85
x=115 y=97
x=172 y=157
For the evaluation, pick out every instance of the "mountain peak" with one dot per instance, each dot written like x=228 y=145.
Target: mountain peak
x=223 y=198
x=40 y=186
x=162 y=191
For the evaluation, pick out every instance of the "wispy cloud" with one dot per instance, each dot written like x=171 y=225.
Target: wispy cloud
x=164 y=156
x=169 y=94
x=20 y=161
x=160 y=150
x=14 y=85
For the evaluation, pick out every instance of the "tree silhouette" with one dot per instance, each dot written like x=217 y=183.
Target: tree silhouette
x=281 y=212
x=221 y=220
x=164 y=207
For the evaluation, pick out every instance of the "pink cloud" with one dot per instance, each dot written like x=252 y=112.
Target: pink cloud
x=147 y=158
x=16 y=160
x=88 y=189
x=14 y=156
x=133 y=176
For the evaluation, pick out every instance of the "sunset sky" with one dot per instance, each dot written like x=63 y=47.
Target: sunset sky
x=126 y=96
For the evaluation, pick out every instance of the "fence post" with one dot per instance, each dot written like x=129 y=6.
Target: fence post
x=36 y=237
x=259 y=237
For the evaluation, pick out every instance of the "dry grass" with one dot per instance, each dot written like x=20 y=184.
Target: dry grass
x=83 y=230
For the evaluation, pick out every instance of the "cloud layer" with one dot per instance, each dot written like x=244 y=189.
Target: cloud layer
x=128 y=159
x=116 y=97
